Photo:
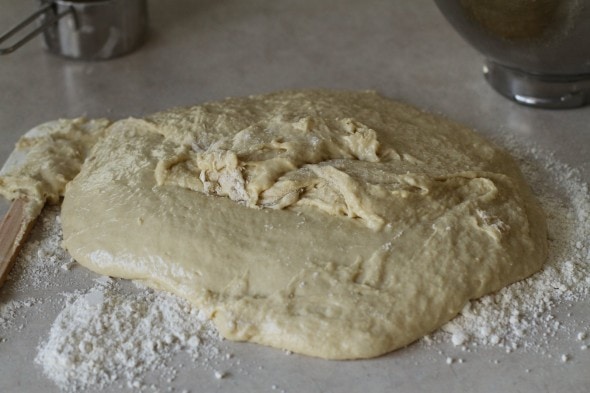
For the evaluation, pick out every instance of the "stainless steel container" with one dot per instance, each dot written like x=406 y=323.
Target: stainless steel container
x=537 y=51
x=87 y=30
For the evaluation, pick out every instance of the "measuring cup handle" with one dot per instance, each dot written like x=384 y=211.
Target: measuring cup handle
x=53 y=18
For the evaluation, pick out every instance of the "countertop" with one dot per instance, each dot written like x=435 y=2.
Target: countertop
x=202 y=50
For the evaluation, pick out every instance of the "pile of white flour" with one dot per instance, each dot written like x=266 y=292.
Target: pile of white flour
x=110 y=334
x=107 y=335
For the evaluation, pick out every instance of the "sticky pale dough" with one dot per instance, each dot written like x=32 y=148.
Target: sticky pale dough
x=334 y=224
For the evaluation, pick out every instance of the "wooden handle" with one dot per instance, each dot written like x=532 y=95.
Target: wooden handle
x=14 y=230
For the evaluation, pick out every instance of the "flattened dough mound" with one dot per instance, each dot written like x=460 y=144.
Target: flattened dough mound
x=334 y=224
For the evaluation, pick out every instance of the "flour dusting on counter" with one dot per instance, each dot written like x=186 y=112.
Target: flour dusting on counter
x=40 y=258
x=107 y=336
x=36 y=267
x=10 y=310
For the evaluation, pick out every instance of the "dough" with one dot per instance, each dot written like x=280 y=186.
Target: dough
x=334 y=224
x=53 y=155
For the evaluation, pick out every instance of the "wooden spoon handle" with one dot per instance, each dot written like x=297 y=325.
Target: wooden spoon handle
x=14 y=230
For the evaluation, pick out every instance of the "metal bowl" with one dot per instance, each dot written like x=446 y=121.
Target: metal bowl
x=537 y=51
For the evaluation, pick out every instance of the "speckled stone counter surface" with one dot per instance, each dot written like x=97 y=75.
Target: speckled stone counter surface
x=201 y=50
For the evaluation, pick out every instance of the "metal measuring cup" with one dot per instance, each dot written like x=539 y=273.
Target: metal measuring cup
x=85 y=30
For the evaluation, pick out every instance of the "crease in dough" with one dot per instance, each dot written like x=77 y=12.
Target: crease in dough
x=277 y=164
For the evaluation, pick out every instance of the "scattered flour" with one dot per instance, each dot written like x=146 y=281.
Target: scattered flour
x=34 y=268
x=108 y=335
x=10 y=310
x=41 y=255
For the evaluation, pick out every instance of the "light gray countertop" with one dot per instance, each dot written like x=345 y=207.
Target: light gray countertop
x=201 y=50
